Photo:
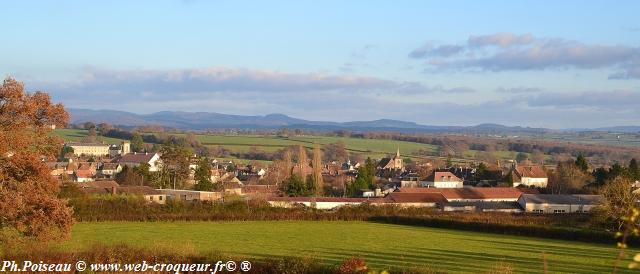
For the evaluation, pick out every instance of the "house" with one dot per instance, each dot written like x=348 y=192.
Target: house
x=260 y=190
x=553 y=203
x=348 y=166
x=415 y=199
x=135 y=159
x=482 y=206
x=317 y=202
x=530 y=175
x=89 y=149
x=442 y=179
x=191 y=195
x=83 y=175
x=471 y=194
x=148 y=193
x=98 y=187
x=110 y=169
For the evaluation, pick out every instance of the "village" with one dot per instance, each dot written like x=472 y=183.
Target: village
x=95 y=167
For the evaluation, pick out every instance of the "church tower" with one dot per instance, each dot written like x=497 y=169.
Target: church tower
x=126 y=148
x=397 y=161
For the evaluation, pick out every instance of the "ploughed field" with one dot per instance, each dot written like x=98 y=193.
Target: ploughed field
x=382 y=245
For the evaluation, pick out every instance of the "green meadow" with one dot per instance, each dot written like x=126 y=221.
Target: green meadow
x=76 y=135
x=374 y=148
x=382 y=245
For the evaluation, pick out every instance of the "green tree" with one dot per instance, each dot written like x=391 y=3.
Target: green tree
x=142 y=170
x=92 y=136
x=481 y=172
x=318 y=184
x=137 y=144
x=509 y=178
x=364 y=180
x=64 y=152
x=296 y=187
x=521 y=157
x=582 y=163
x=203 y=176
x=634 y=170
x=175 y=164
x=128 y=177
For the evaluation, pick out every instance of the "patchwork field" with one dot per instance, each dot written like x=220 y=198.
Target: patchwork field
x=76 y=135
x=382 y=245
x=373 y=148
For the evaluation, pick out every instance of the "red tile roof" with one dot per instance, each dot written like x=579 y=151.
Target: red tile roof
x=531 y=172
x=321 y=199
x=444 y=176
x=136 y=158
x=469 y=192
x=99 y=184
x=415 y=197
x=84 y=173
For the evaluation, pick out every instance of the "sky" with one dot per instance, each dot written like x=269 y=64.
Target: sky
x=554 y=64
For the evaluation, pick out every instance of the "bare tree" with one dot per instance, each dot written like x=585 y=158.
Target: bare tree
x=303 y=162
x=318 y=184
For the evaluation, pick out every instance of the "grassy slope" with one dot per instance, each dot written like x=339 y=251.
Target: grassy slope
x=76 y=135
x=369 y=147
x=382 y=245
x=241 y=143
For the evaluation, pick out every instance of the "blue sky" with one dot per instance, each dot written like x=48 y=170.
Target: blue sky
x=554 y=64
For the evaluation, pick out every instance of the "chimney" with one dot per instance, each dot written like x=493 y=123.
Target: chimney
x=114 y=190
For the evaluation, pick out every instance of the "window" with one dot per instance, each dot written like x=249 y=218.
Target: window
x=537 y=211
x=160 y=198
x=559 y=211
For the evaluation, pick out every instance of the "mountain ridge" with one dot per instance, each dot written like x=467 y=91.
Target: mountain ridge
x=210 y=120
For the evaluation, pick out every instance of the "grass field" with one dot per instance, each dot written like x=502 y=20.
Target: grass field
x=373 y=148
x=76 y=135
x=382 y=245
x=369 y=147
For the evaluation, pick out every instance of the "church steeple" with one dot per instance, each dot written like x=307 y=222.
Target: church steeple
x=398 y=153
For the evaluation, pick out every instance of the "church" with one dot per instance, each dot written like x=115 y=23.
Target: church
x=394 y=163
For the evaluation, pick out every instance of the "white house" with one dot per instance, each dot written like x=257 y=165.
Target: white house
x=135 y=159
x=442 y=179
x=83 y=175
x=191 y=195
x=110 y=169
x=318 y=202
x=529 y=176
x=89 y=149
x=471 y=194
x=553 y=203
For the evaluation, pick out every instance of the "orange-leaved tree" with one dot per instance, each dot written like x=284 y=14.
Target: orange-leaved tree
x=29 y=207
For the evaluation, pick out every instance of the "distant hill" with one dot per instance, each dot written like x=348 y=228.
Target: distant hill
x=210 y=120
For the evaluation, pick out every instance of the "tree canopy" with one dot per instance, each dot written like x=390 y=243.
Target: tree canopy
x=29 y=206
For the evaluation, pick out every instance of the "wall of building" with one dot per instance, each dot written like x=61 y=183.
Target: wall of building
x=93 y=150
x=528 y=181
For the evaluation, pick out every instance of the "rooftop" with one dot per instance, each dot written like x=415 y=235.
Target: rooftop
x=469 y=192
x=561 y=199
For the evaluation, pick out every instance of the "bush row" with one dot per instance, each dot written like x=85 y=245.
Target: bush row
x=552 y=232
x=131 y=208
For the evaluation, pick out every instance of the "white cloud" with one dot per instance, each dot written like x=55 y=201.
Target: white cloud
x=512 y=52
